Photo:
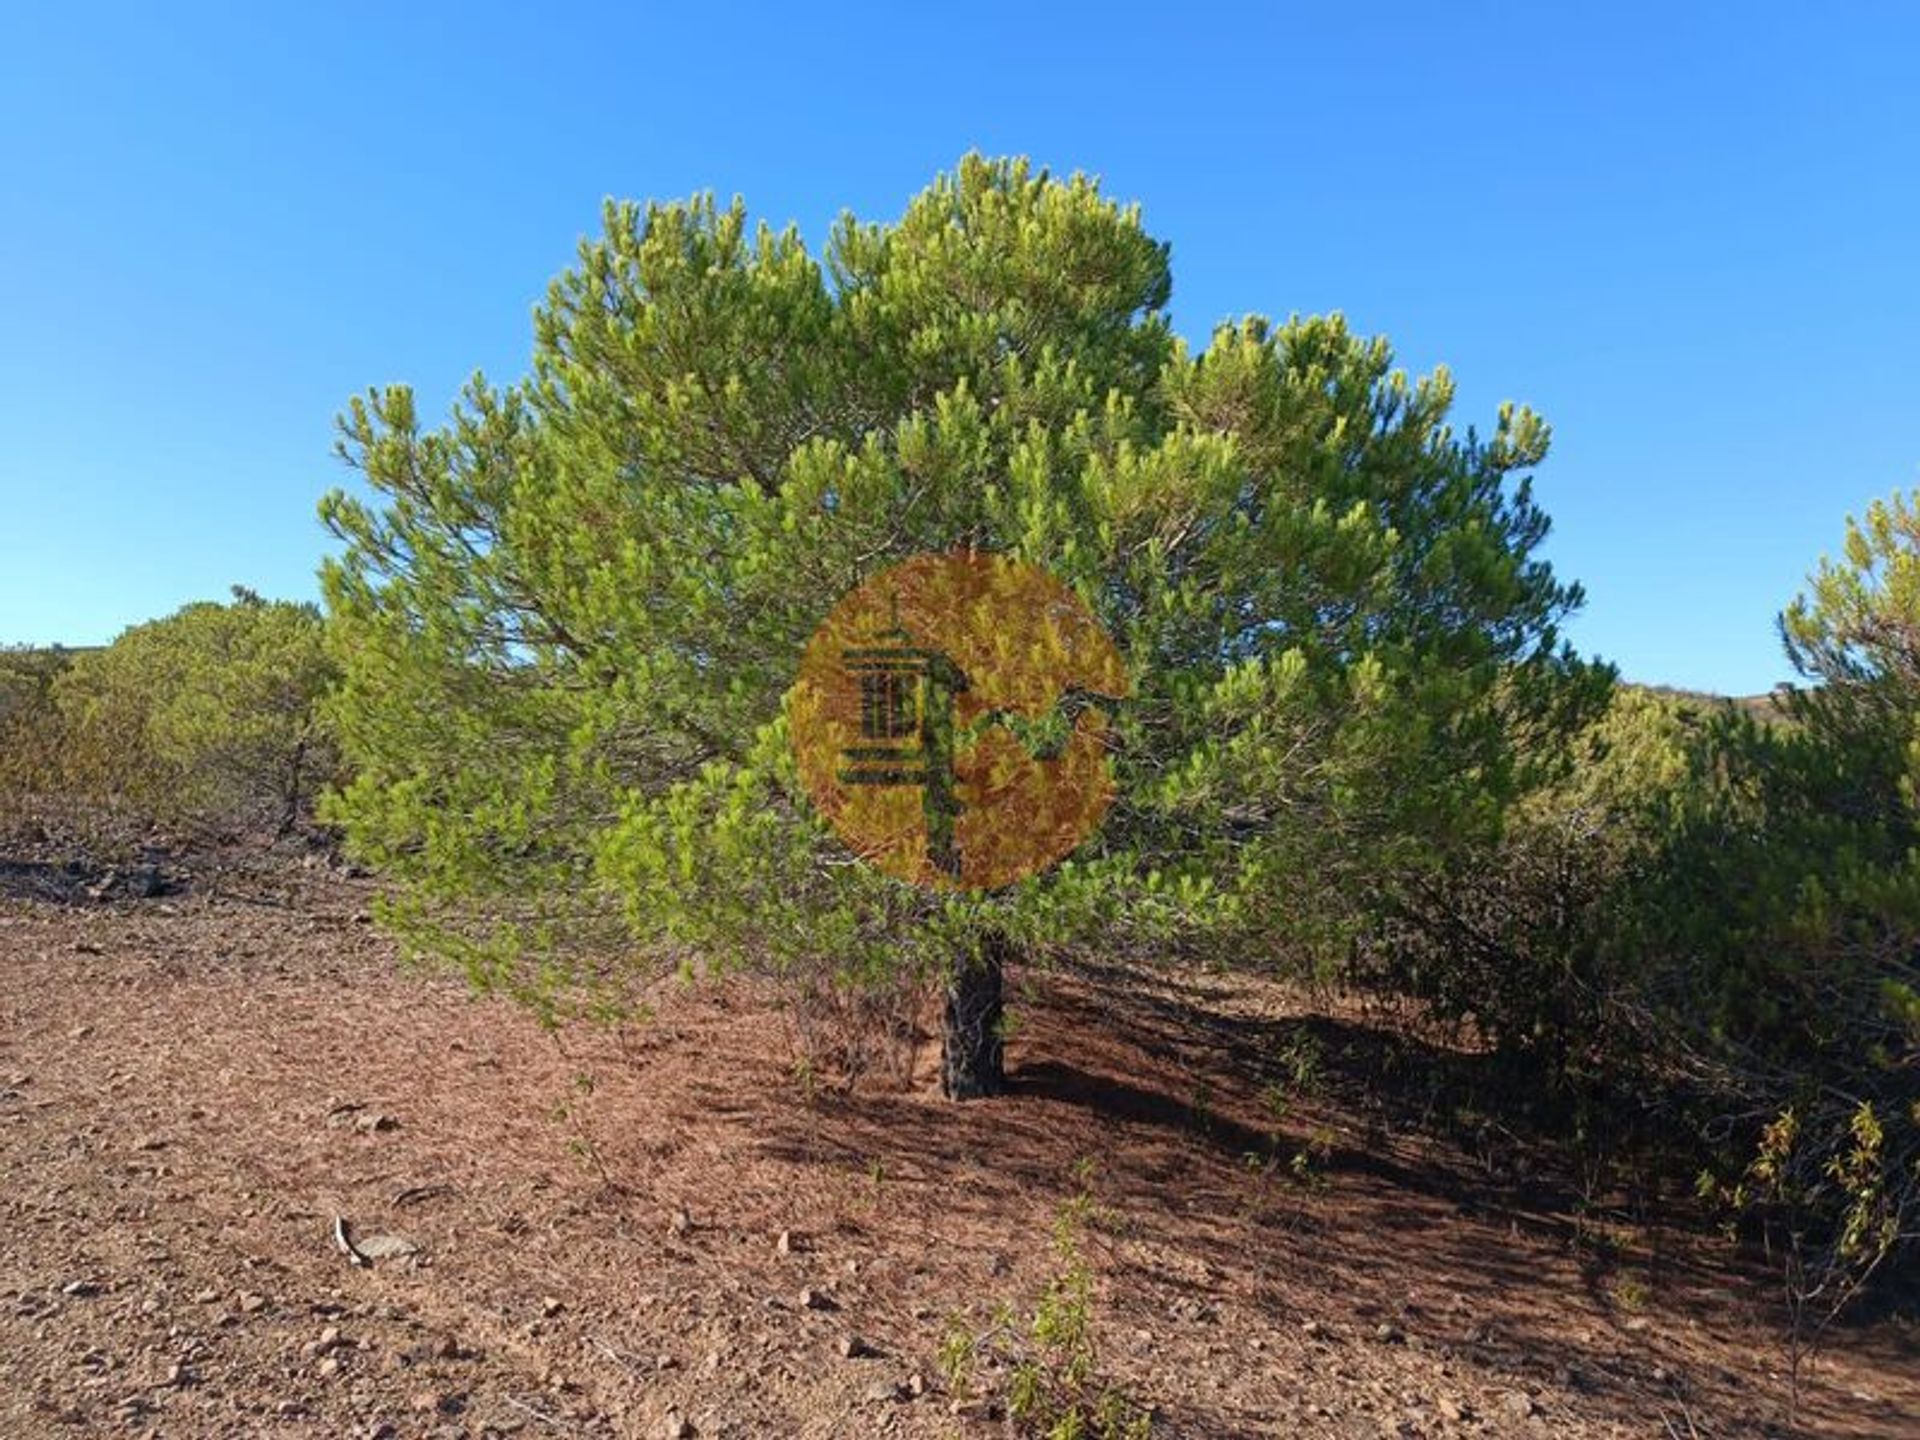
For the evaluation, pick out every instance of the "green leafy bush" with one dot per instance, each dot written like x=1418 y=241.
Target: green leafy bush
x=1049 y=1352
x=1712 y=921
x=208 y=715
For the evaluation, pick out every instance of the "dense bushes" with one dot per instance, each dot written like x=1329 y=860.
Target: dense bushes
x=207 y=716
x=30 y=729
x=1716 y=918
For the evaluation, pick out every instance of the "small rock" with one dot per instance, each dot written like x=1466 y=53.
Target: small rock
x=380 y=1430
x=817 y=1300
x=150 y=1142
x=1453 y=1410
x=852 y=1347
x=665 y=1362
x=680 y=1223
x=1313 y=1330
x=1637 y=1323
x=80 y=1289
x=252 y=1304
x=288 y=1409
x=426 y=1402
x=916 y=1384
x=330 y=1367
x=386 y=1247
x=1390 y=1335
x=329 y=1337
x=676 y=1427
x=1518 y=1404
x=551 y=1307
x=180 y=1375
x=784 y=1244
x=374 y=1121
x=883 y=1392
x=712 y=1363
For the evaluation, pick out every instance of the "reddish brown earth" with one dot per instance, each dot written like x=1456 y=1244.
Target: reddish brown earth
x=175 y=1146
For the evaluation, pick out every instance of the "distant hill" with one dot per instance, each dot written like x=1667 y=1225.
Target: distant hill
x=1762 y=707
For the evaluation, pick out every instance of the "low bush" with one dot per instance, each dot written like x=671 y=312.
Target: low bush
x=1048 y=1350
x=1708 y=923
x=206 y=717
x=30 y=732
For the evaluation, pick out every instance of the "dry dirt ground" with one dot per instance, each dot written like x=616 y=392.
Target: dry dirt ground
x=194 y=1085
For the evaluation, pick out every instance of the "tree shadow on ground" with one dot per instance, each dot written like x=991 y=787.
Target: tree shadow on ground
x=1430 y=1195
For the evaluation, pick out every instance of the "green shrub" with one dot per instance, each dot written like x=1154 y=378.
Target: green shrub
x=209 y=715
x=1713 y=921
x=1054 y=1386
x=31 y=732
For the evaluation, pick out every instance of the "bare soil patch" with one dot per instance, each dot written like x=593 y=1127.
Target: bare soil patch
x=199 y=1076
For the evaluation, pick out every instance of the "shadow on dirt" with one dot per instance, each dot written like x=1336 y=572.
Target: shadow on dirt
x=77 y=882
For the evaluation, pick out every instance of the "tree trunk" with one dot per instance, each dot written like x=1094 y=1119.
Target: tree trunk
x=290 y=811
x=971 y=1063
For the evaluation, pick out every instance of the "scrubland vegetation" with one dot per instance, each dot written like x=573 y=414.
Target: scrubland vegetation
x=544 y=705
x=206 y=718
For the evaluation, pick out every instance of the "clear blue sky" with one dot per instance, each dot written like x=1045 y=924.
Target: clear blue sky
x=1691 y=239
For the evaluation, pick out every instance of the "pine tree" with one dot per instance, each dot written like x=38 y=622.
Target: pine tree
x=571 y=617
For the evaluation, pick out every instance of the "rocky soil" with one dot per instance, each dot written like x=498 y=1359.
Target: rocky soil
x=257 y=1178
